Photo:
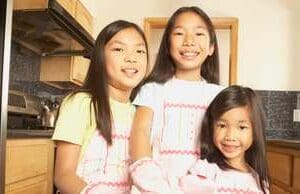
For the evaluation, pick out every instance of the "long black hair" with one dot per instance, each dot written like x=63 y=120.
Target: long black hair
x=96 y=84
x=229 y=98
x=164 y=66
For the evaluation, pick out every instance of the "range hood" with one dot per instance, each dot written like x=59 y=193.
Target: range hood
x=45 y=27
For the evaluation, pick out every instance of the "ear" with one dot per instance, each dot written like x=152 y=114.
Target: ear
x=211 y=50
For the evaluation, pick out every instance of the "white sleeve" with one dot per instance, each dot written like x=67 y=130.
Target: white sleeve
x=149 y=96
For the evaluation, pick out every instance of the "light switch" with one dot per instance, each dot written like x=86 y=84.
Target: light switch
x=296 y=115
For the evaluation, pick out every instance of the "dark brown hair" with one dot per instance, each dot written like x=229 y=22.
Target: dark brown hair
x=164 y=67
x=229 y=98
x=96 y=79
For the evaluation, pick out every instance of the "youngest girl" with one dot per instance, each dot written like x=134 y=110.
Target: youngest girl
x=233 y=158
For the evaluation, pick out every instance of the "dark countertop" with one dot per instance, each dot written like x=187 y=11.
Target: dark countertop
x=29 y=133
x=286 y=142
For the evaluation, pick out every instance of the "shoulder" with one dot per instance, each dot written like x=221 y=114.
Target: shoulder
x=214 y=88
x=152 y=86
x=150 y=89
x=80 y=99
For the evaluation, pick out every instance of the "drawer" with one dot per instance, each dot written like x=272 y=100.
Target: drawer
x=25 y=159
x=35 y=185
x=280 y=167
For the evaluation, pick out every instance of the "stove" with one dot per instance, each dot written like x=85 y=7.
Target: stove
x=24 y=111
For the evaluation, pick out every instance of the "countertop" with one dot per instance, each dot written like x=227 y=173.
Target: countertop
x=29 y=133
x=285 y=142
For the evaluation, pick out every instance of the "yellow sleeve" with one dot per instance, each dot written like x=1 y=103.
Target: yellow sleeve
x=75 y=119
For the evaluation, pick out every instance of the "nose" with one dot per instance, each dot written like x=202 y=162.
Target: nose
x=230 y=134
x=188 y=40
x=130 y=57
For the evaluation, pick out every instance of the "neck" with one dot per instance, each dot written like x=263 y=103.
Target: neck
x=239 y=164
x=189 y=76
x=118 y=94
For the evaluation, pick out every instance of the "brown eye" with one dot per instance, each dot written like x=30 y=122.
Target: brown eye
x=243 y=127
x=118 y=49
x=200 y=34
x=141 y=51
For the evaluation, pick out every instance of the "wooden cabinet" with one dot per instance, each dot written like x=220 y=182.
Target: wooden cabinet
x=29 y=166
x=277 y=190
x=64 y=71
x=284 y=167
x=57 y=71
x=68 y=5
x=83 y=16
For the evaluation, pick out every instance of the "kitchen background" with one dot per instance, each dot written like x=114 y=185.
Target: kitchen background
x=267 y=45
x=268 y=49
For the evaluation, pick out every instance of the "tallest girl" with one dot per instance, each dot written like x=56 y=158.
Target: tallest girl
x=172 y=103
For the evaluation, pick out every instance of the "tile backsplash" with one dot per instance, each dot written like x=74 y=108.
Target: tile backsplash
x=279 y=107
x=25 y=73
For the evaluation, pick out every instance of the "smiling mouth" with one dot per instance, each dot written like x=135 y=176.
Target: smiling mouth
x=229 y=148
x=189 y=54
x=130 y=71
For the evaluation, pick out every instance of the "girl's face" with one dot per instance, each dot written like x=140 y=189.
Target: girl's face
x=233 y=135
x=126 y=61
x=189 y=45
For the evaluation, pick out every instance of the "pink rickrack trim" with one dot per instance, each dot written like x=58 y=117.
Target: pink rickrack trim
x=141 y=163
x=109 y=184
x=180 y=152
x=192 y=106
x=120 y=136
x=236 y=190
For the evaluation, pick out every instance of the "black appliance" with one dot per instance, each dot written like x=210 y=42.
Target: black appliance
x=24 y=111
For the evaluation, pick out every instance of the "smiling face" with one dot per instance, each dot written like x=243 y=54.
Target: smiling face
x=126 y=61
x=189 y=45
x=233 y=135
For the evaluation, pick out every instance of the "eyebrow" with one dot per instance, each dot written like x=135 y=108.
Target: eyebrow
x=239 y=121
x=122 y=43
x=243 y=121
x=197 y=27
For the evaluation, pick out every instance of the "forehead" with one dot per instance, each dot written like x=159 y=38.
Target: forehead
x=237 y=114
x=128 y=36
x=189 y=19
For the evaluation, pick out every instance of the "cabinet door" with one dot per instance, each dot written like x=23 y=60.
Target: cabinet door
x=277 y=190
x=36 y=185
x=68 y=5
x=296 y=178
x=279 y=171
x=84 y=17
x=29 y=166
x=79 y=69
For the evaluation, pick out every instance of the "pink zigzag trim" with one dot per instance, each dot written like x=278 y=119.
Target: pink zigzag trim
x=236 y=190
x=109 y=184
x=180 y=152
x=117 y=136
x=193 y=106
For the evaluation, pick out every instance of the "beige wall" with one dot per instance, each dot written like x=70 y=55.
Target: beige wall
x=267 y=33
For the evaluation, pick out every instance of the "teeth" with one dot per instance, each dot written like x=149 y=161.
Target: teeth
x=130 y=70
x=189 y=54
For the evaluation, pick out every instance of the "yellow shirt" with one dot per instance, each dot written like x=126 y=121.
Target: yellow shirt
x=76 y=122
